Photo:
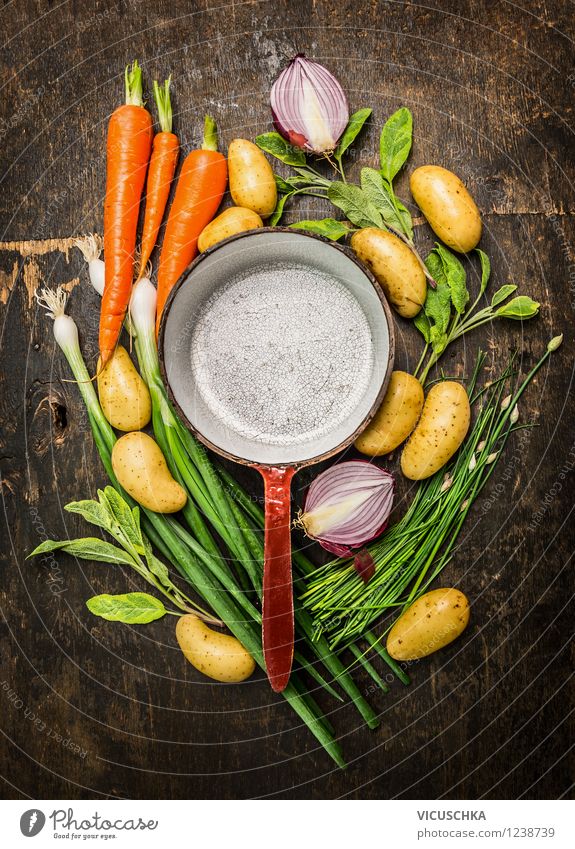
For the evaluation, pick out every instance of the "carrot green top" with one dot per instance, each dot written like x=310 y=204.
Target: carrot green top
x=133 y=79
x=162 y=98
x=210 y=134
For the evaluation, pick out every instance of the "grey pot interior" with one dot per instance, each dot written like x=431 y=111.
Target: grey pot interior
x=264 y=384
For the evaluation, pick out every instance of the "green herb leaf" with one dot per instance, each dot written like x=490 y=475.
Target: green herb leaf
x=277 y=146
x=355 y=204
x=131 y=608
x=279 y=210
x=282 y=185
x=124 y=517
x=393 y=212
x=502 y=294
x=395 y=143
x=456 y=278
x=438 y=339
x=435 y=267
x=352 y=130
x=160 y=570
x=421 y=321
x=485 y=270
x=328 y=227
x=519 y=308
x=94 y=512
x=89 y=548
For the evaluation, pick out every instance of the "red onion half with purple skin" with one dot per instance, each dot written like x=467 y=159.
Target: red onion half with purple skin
x=309 y=106
x=347 y=506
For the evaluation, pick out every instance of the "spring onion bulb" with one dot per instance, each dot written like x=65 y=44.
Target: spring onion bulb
x=309 y=106
x=91 y=248
x=347 y=506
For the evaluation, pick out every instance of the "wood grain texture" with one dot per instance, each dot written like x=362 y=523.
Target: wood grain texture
x=91 y=708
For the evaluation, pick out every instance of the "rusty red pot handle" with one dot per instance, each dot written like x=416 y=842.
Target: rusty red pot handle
x=277 y=608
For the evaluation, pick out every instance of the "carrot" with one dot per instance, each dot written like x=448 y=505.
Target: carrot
x=199 y=192
x=128 y=151
x=160 y=173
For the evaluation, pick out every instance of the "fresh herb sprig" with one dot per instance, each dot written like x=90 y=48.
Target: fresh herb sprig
x=115 y=516
x=446 y=315
x=373 y=203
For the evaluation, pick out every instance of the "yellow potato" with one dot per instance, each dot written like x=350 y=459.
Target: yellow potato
x=252 y=182
x=216 y=655
x=440 y=431
x=449 y=208
x=124 y=396
x=234 y=220
x=396 y=417
x=432 y=622
x=395 y=267
x=141 y=469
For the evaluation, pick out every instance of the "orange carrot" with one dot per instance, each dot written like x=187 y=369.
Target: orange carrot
x=160 y=173
x=199 y=192
x=128 y=151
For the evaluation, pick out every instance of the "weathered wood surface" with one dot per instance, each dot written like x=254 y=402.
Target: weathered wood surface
x=90 y=708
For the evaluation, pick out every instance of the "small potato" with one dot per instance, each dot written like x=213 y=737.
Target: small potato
x=396 y=417
x=124 y=396
x=449 y=208
x=440 y=431
x=432 y=622
x=216 y=655
x=234 y=220
x=252 y=182
x=395 y=267
x=141 y=469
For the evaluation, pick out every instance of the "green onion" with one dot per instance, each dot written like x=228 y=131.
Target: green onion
x=178 y=546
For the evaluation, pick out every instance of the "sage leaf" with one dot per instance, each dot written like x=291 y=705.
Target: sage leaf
x=435 y=267
x=277 y=146
x=485 y=270
x=352 y=130
x=279 y=210
x=393 y=212
x=131 y=608
x=282 y=185
x=422 y=323
x=438 y=339
x=328 y=227
x=519 y=308
x=160 y=570
x=88 y=548
x=456 y=278
x=355 y=204
x=438 y=310
x=94 y=512
x=395 y=143
x=502 y=294
x=124 y=516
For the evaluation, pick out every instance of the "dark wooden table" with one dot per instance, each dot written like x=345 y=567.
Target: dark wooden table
x=91 y=708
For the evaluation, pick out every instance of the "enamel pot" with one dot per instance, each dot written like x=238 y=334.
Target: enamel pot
x=214 y=413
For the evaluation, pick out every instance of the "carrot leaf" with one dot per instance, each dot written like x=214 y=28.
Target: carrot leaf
x=162 y=98
x=210 y=134
x=133 y=80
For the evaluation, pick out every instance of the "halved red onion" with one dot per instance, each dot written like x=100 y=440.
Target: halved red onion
x=347 y=506
x=309 y=106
